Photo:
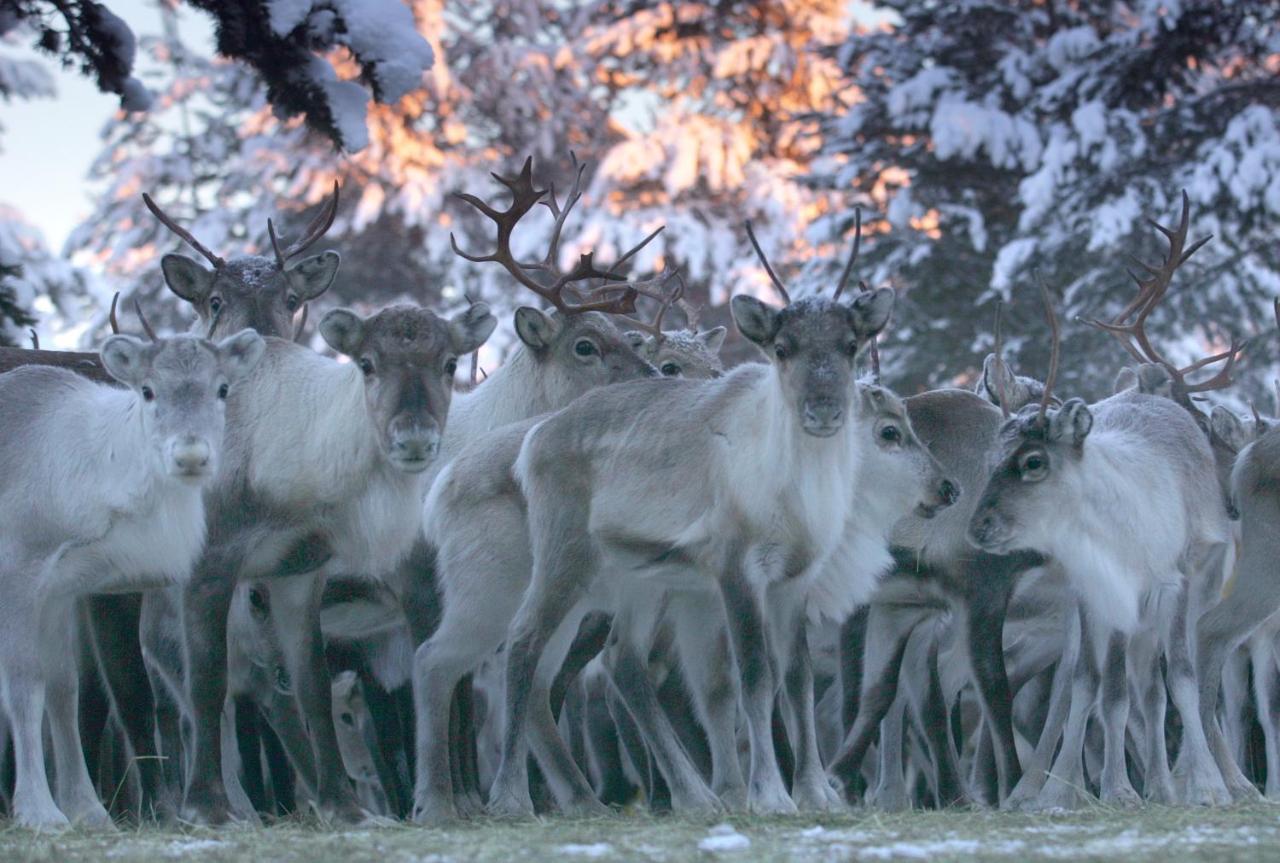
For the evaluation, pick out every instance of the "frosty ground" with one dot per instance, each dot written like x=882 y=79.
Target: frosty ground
x=1241 y=833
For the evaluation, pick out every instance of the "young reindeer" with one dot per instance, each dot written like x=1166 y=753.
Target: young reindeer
x=101 y=490
x=1114 y=494
x=736 y=482
x=474 y=516
x=344 y=484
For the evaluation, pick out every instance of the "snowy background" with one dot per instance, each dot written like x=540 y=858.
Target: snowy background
x=988 y=144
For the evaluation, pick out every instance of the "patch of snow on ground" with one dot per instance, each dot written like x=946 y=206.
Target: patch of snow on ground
x=185 y=847
x=598 y=849
x=929 y=850
x=724 y=838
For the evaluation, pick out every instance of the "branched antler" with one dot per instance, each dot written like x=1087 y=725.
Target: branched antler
x=654 y=327
x=616 y=298
x=319 y=226
x=1151 y=290
x=182 y=232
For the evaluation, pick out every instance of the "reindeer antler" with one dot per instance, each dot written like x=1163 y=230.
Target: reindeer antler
x=319 y=226
x=853 y=255
x=1000 y=366
x=773 y=277
x=186 y=236
x=654 y=327
x=617 y=298
x=146 y=325
x=1151 y=290
x=1055 y=352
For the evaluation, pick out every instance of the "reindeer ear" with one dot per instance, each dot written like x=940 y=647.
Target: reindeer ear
x=1126 y=379
x=869 y=313
x=1071 y=423
x=874 y=397
x=756 y=321
x=126 y=358
x=186 y=278
x=991 y=385
x=471 y=328
x=239 y=354
x=342 y=330
x=713 y=339
x=536 y=328
x=312 y=276
x=1228 y=428
x=1154 y=379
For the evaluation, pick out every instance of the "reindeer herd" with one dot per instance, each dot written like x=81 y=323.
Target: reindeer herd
x=242 y=578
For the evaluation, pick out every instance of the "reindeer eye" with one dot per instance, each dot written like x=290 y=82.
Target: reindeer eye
x=891 y=434
x=223 y=390
x=1033 y=466
x=366 y=366
x=671 y=370
x=584 y=348
x=291 y=303
x=148 y=394
x=215 y=304
x=451 y=367
x=781 y=351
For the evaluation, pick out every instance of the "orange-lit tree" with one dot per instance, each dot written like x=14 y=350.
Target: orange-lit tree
x=692 y=115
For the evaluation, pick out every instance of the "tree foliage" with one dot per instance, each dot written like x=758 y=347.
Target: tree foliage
x=998 y=143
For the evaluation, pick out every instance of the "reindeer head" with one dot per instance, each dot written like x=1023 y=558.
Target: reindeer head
x=251 y=291
x=577 y=352
x=813 y=344
x=1039 y=455
x=902 y=471
x=682 y=353
x=182 y=385
x=408 y=357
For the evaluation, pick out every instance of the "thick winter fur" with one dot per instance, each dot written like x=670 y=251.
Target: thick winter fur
x=324 y=460
x=100 y=490
x=754 y=482
x=1115 y=493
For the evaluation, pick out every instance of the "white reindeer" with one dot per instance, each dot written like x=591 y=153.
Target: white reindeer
x=101 y=490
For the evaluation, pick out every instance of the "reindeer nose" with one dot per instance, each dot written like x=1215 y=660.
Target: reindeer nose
x=191 y=455
x=949 y=492
x=822 y=415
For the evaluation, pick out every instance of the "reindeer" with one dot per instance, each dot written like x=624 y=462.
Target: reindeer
x=102 y=491
x=1113 y=493
x=1253 y=602
x=283 y=504
x=722 y=516
x=935 y=566
x=474 y=517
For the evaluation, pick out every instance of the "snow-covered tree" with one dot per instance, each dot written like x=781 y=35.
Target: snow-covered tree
x=995 y=140
x=292 y=46
x=693 y=115
x=36 y=283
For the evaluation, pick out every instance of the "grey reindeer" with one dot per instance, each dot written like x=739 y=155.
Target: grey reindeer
x=1113 y=493
x=734 y=482
x=325 y=460
x=474 y=517
x=101 y=488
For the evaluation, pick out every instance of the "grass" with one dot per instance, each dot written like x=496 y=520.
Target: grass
x=1249 y=833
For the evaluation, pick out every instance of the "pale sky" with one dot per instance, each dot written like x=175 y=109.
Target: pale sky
x=47 y=145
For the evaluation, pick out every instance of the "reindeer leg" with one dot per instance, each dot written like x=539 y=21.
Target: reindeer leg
x=810 y=787
x=206 y=600
x=991 y=580
x=295 y=612
x=706 y=657
x=1064 y=788
x=889 y=629
x=1157 y=780
x=1115 y=787
x=853 y=644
